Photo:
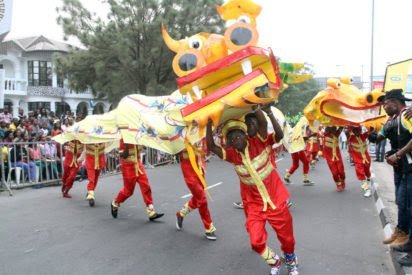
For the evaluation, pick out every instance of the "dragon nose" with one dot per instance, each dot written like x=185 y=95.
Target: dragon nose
x=241 y=36
x=188 y=62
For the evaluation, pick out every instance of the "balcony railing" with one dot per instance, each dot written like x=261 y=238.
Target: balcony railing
x=13 y=84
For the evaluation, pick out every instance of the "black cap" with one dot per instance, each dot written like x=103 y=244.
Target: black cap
x=395 y=94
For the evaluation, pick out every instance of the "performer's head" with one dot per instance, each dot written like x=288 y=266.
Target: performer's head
x=357 y=130
x=394 y=101
x=234 y=133
x=252 y=124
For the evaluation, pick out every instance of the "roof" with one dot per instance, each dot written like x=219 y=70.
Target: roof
x=40 y=43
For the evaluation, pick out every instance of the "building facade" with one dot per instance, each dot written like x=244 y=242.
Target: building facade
x=28 y=79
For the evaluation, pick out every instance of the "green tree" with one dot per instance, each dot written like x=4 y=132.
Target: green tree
x=294 y=99
x=126 y=54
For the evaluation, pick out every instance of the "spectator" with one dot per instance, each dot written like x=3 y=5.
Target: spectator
x=44 y=128
x=44 y=118
x=48 y=151
x=5 y=115
x=380 y=150
x=9 y=136
x=343 y=140
x=14 y=124
x=17 y=136
x=65 y=124
x=21 y=114
x=18 y=158
x=56 y=129
x=36 y=128
x=3 y=129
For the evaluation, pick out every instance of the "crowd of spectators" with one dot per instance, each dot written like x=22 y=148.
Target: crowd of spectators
x=32 y=126
x=26 y=141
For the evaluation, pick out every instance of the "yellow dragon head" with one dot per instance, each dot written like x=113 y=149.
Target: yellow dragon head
x=343 y=104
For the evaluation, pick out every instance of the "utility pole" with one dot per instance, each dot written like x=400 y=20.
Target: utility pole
x=372 y=42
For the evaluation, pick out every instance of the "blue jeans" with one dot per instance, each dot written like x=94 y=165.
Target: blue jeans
x=404 y=201
x=29 y=168
x=380 y=150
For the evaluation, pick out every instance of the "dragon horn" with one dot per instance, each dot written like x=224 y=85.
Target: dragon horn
x=172 y=44
x=219 y=10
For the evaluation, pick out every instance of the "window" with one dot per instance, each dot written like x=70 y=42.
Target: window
x=38 y=105
x=60 y=82
x=40 y=73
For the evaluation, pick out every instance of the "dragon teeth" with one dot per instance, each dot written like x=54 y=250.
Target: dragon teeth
x=197 y=92
x=246 y=67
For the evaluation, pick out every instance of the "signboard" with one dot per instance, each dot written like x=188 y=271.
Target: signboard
x=377 y=85
x=396 y=76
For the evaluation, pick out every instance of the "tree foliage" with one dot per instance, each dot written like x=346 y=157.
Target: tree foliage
x=294 y=99
x=125 y=53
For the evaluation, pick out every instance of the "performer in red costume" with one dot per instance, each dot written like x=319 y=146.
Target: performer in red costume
x=300 y=156
x=71 y=166
x=331 y=153
x=312 y=147
x=95 y=162
x=264 y=194
x=198 y=200
x=133 y=171
x=358 y=149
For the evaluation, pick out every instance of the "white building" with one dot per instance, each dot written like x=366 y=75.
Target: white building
x=28 y=79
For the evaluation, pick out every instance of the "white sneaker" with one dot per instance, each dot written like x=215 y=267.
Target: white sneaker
x=367 y=193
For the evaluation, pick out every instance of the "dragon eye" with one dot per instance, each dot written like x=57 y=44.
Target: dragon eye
x=244 y=19
x=195 y=43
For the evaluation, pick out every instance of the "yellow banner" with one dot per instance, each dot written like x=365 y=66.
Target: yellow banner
x=397 y=75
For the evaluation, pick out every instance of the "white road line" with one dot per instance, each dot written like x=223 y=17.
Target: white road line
x=209 y=187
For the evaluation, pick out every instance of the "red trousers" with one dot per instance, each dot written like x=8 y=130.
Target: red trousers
x=93 y=175
x=69 y=175
x=363 y=170
x=198 y=200
x=129 y=183
x=312 y=155
x=281 y=222
x=295 y=162
x=337 y=169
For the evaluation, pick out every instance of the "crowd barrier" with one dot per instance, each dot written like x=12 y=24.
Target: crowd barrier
x=42 y=163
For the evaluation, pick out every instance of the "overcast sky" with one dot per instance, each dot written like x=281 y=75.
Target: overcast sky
x=333 y=35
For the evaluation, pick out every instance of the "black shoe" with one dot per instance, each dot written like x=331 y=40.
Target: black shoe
x=211 y=236
x=114 y=210
x=238 y=204
x=406 y=260
x=404 y=248
x=179 y=221
x=156 y=216
x=91 y=202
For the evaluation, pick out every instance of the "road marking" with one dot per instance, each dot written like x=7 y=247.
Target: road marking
x=209 y=187
x=214 y=185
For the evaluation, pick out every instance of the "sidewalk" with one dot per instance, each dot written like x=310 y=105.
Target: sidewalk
x=385 y=204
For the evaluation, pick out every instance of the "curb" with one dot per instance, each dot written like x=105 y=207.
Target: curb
x=387 y=229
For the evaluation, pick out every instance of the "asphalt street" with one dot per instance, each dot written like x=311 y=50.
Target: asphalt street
x=42 y=233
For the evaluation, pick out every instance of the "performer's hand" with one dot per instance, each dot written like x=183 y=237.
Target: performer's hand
x=266 y=108
x=209 y=122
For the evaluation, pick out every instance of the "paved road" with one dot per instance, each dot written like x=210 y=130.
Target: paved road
x=42 y=233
